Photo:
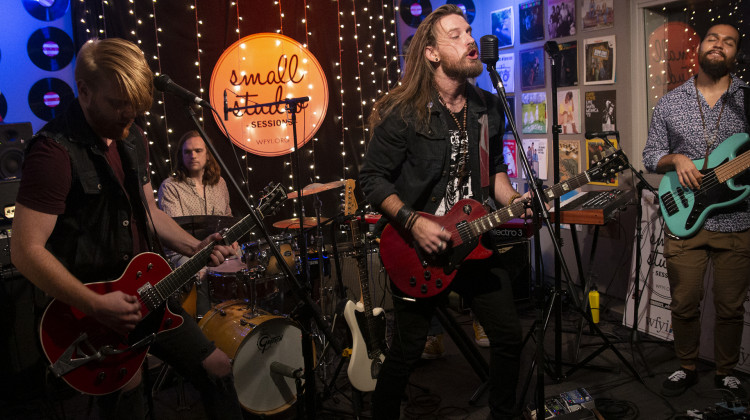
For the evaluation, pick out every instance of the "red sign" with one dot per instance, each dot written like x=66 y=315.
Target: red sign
x=266 y=68
x=673 y=58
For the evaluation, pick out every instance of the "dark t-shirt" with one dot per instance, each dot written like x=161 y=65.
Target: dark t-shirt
x=47 y=178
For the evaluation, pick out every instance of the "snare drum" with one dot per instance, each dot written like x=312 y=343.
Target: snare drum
x=253 y=343
x=260 y=258
x=228 y=281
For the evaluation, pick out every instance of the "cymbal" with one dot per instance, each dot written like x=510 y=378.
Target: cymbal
x=315 y=188
x=201 y=226
x=293 y=223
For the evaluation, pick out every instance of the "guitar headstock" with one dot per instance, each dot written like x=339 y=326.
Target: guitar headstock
x=608 y=166
x=274 y=196
x=350 y=201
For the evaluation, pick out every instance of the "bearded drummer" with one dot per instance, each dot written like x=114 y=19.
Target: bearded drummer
x=196 y=189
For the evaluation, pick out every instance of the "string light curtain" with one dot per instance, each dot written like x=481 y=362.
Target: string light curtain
x=184 y=39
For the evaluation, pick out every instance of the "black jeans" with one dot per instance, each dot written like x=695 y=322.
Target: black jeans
x=184 y=348
x=488 y=291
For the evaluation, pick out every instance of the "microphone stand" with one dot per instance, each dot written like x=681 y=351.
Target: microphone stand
x=311 y=309
x=635 y=339
x=540 y=211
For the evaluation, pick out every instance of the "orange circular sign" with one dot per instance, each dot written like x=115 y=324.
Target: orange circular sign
x=262 y=69
x=673 y=58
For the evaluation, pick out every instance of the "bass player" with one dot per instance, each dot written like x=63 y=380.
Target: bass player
x=689 y=123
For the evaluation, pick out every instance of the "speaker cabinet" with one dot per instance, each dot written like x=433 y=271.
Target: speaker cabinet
x=379 y=288
x=13 y=139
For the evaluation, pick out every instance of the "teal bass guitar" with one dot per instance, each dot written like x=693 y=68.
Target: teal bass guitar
x=685 y=210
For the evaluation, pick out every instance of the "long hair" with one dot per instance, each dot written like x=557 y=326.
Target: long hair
x=212 y=172
x=414 y=92
x=121 y=60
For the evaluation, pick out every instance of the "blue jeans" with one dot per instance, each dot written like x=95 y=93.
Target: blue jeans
x=488 y=291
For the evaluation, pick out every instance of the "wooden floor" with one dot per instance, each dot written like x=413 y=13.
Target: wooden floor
x=439 y=389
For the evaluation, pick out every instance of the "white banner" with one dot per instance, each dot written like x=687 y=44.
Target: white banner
x=654 y=316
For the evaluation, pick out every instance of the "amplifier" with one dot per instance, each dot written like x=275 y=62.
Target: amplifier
x=378 y=279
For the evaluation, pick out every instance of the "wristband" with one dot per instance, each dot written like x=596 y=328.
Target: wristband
x=403 y=215
x=514 y=197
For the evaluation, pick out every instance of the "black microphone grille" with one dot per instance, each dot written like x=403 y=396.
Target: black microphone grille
x=161 y=82
x=488 y=49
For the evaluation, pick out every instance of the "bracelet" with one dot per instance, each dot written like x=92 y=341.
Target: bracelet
x=412 y=218
x=403 y=215
x=514 y=197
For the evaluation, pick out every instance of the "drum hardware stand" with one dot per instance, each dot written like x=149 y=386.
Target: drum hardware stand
x=541 y=213
x=312 y=311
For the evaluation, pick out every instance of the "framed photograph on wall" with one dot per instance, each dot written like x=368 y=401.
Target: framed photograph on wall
x=534 y=112
x=531 y=15
x=598 y=14
x=503 y=26
x=509 y=156
x=536 y=153
x=568 y=64
x=532 y=69
x=600 y=60
x=570 y=159
x=569 y=111
x=561 y=18
x=600 y=110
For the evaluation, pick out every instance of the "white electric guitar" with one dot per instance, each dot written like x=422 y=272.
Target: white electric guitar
x=366 y=323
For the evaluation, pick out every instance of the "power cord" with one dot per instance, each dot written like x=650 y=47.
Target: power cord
x=612 y=409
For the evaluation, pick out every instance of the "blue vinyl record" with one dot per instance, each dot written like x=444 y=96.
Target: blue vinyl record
x=466 y=6
x=46 y=10
x=48 y=97
x=50 y=48
x=3 y=107
x=413 y=12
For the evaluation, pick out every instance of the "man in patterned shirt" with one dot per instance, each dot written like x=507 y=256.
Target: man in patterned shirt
x=688 y=123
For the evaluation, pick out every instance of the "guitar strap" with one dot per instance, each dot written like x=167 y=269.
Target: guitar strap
x=746 y=95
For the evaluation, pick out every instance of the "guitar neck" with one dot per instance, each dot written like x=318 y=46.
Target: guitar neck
x=732 y=168
x=497 y=218
x=182 y=274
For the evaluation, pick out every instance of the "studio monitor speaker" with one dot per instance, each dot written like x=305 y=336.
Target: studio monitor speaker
x=13 y=139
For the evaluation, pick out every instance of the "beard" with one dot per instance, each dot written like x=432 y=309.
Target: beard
x=714 y=68
x=458 y=70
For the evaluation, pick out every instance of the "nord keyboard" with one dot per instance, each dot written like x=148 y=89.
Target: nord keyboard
x=594 y=207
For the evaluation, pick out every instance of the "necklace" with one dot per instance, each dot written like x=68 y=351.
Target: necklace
x=710 y=142
x=461 y=128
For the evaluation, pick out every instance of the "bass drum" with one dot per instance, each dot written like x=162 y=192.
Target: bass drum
x=253 y=342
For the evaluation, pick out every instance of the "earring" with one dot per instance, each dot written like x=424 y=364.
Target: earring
x=437 y=59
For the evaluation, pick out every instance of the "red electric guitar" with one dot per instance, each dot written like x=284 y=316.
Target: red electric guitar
x=96 y=360
x=421 y=275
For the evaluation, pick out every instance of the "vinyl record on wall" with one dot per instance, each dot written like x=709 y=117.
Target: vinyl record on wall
x=414 y=11
x=3 y=107
x=46 y=10
x=49 y=97
x=50 y=48
x=466 y=6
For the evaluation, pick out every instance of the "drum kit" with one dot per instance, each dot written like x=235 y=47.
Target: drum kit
x=248 y=311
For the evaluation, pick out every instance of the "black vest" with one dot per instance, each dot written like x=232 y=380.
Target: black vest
x=93 y=238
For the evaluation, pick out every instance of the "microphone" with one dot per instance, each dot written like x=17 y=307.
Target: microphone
x=488 y=53
x=165 y=84
x=552 y=48
x=603 y=134
x=286 y=370
x=226 y=108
